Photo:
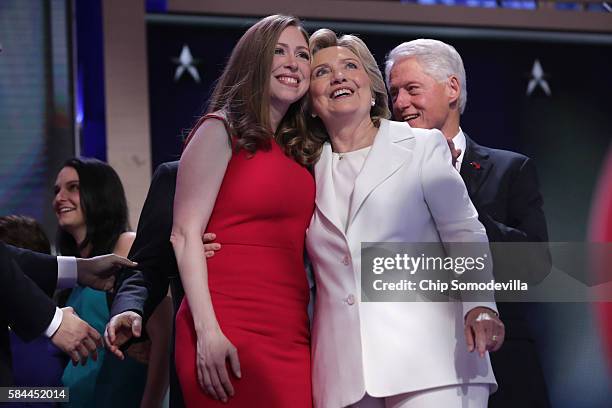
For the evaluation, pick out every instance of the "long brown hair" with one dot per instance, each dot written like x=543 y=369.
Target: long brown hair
x=242 y=93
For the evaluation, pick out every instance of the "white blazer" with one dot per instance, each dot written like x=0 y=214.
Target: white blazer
x=407 y=191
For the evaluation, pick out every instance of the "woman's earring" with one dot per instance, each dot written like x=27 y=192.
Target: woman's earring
x=314 y=115
x=373 y=102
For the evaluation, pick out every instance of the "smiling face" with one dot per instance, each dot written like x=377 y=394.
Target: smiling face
x=419 y=99
x=67 y=201
x=339 y=85
x=290 y=76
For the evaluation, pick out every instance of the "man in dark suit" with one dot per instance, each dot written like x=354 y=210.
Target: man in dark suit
x=27 y=280
x=426 y=79
x=139 y=291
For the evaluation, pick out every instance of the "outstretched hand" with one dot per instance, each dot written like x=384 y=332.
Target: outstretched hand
x=76 y=338
x=120 y=329
x=99 y=272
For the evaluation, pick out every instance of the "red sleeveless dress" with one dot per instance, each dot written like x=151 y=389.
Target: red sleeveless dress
x=257 y=283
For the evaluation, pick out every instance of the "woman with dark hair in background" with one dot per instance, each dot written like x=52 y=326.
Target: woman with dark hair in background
x=92 y=215
x=243 y=175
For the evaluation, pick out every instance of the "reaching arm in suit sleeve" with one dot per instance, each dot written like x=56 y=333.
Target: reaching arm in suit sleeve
x=525 y=219
x=143 y=288
x=524 y=222
x=26 y=308
x=454 y=214
x=40 y=268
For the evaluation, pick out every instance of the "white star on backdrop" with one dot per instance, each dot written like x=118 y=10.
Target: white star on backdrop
x=186 y=63
x=537 y=79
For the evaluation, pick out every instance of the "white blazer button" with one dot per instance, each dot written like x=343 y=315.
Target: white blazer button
x=350 y=299
x=345 y=260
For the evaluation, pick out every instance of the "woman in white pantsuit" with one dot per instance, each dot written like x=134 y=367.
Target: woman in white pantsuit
x=382 y=181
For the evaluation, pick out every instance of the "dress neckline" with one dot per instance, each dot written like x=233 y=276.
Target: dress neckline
x=357 y=152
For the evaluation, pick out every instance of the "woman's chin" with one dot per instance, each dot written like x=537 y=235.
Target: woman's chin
x=344 y=113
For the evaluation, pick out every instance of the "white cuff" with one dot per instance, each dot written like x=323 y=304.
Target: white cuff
x=66 y=272
x=55 y=323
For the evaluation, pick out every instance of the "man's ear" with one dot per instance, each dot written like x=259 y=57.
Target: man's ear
x=453 y=89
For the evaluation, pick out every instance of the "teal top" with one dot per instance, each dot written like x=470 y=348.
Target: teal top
x=91 y=306
x=107 y=381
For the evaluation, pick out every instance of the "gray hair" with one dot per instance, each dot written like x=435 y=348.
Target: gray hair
x=438 y=59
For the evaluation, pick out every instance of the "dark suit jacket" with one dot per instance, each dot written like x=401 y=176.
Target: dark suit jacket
x=504 y=188
x=504 y=185
x=143 y=288
x=27 y=280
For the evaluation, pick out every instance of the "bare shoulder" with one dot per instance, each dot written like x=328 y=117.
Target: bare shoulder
x=211 y=130
x=124 y=243
x=209 y=146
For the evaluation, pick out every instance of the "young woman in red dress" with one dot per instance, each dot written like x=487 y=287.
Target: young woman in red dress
x=242 y=332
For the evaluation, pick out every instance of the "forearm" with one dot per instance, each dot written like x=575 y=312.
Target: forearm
x=131 y=292
x=193 y=270
x=476 y=246
x=530 y=261
x=497 y=231
x=138 y=291
x=25 y=306
x=523 y=219
x=40 y=268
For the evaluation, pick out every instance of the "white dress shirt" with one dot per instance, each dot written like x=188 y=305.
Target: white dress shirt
x=345 y=169
x=66 y=278
x=460 y=144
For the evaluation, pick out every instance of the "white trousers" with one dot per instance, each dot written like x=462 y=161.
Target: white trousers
x=453 y=396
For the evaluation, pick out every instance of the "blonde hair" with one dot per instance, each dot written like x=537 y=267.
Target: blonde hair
x=325 y=38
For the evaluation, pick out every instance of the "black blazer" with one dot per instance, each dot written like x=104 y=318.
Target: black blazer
x=504 y=188
x=27 y=280
x=142 y=289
